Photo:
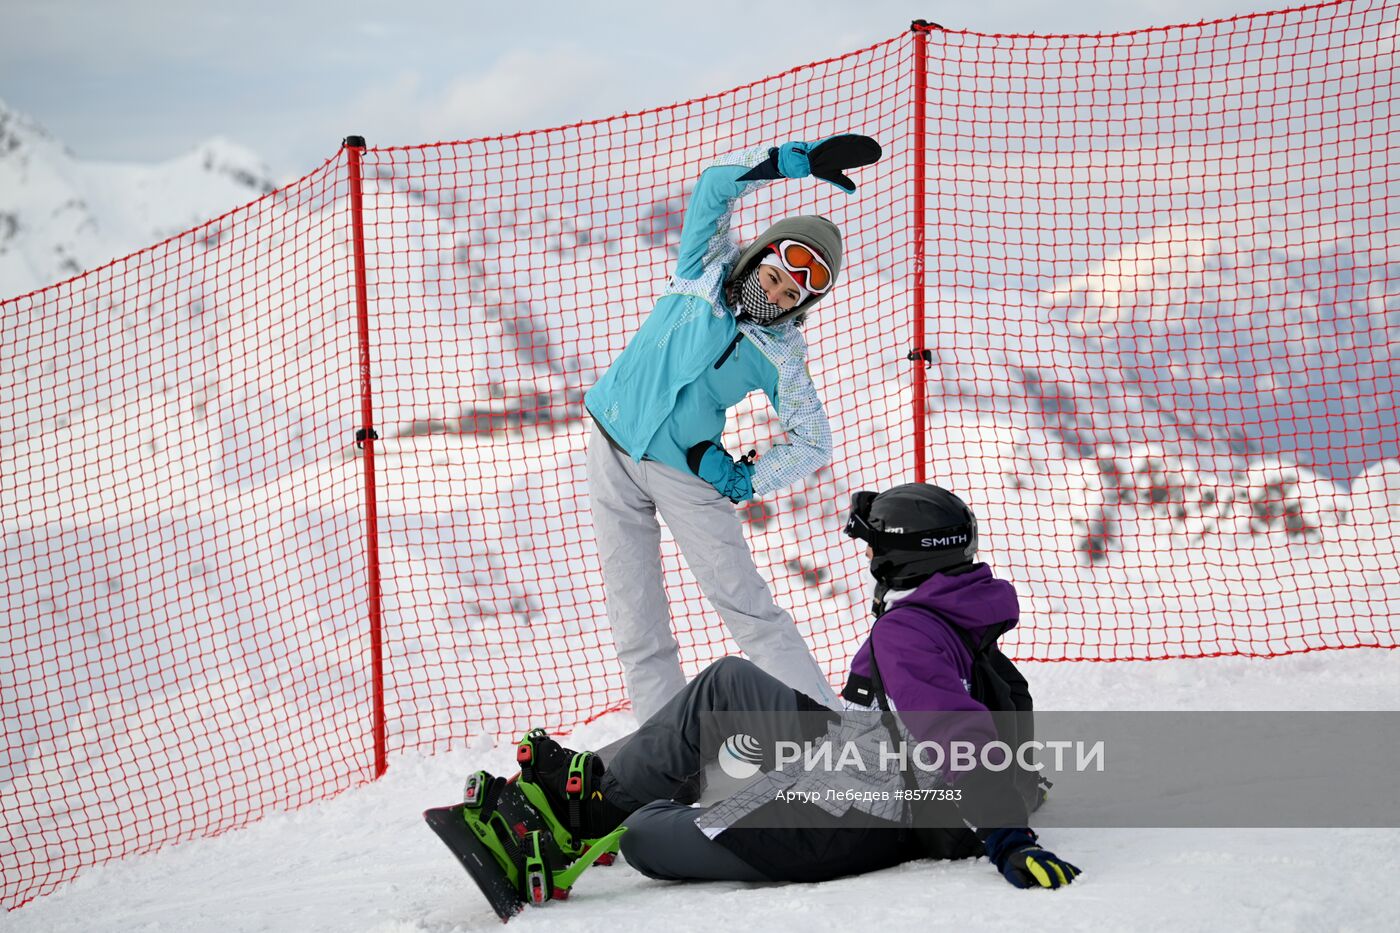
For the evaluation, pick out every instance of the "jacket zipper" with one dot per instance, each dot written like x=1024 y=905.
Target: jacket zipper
x=732 y=344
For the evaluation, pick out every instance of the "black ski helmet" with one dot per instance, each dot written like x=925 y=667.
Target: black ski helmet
x=917 y=530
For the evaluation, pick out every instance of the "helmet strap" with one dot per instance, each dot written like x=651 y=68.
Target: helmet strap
x=877 y=606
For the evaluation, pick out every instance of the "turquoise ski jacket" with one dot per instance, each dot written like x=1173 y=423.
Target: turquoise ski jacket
x=692 y=360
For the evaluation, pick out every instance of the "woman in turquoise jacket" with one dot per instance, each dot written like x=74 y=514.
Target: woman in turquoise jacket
x=729 y=323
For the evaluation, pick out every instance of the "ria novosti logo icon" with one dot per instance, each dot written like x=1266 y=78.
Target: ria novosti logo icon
x=740 y=756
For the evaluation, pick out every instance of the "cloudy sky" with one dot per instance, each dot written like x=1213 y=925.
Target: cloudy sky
x=146 y=80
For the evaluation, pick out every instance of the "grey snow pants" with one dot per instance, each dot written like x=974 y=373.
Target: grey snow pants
x=661 y=768
x=626 y=497
x=663 y=765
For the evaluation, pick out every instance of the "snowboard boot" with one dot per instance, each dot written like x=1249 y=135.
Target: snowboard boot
x=519 y=840
x=565 y=787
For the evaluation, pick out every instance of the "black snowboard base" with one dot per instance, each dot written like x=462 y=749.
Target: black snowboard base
x=451 y=827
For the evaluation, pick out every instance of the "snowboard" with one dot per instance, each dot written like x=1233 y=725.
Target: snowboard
x=450 y=824
x=507 y=848
x=518 y=855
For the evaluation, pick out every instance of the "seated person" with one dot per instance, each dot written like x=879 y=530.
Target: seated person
x=938 y=613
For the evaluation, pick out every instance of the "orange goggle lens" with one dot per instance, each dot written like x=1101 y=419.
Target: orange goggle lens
x=799 y=259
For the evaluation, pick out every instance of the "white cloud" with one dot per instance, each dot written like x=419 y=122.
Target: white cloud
x=524 y=89
x=527 y=88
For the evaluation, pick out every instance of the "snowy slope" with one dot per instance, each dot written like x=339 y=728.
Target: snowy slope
x=365 y=863
x=61 y=215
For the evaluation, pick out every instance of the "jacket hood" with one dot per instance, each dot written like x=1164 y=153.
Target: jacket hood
x=817 y=232
x=971 y=601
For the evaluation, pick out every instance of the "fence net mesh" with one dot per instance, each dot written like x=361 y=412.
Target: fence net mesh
x=1161 y=305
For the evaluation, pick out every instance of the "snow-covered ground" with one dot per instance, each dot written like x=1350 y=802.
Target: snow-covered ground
x=365 y=863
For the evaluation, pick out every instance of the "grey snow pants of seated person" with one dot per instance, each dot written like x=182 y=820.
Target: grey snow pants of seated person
x=663 y=765
x=626 y=497
x=661 y=768
x=662 y=841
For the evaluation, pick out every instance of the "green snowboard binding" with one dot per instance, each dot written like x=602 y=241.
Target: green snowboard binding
x=563 y=786
x=508 y=848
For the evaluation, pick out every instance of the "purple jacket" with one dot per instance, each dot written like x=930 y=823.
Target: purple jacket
x=924 y=664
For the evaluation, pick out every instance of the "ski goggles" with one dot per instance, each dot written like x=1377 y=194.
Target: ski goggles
x=934 y=539
x=858 y=520
x=801 y=260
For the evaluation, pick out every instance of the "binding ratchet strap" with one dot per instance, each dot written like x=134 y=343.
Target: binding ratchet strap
x=525 y=754
x=535 y=876
x=573 y=789
x=483 y=791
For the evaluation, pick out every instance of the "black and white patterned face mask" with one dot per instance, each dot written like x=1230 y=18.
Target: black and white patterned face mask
x=753 y=301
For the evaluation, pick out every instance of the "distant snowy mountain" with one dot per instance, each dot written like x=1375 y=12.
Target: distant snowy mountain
x=1257 y=333
x=61 y=215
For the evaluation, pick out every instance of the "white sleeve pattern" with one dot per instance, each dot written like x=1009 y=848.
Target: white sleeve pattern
x=720 y=249
x=799 y=410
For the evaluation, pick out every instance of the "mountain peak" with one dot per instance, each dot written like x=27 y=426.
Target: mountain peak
x=21 y=132
x=221 y=156
x=62 y=214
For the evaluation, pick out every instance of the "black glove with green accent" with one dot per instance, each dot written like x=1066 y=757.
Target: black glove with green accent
x=1025 y=864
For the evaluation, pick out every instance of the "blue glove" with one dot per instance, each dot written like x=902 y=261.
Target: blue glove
x=1025 y=864
x=827 y=158
x=733 y=478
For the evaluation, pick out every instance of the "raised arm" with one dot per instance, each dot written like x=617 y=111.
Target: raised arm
x=705 y=234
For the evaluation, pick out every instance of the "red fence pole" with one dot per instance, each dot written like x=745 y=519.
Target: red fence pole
x=354 y=148
x=920 y=354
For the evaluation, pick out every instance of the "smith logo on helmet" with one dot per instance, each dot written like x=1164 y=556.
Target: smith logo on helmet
x=949 y=541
